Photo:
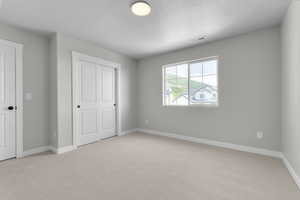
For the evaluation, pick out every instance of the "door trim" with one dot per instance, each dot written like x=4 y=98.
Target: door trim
x=19 y=95
x=117 y=67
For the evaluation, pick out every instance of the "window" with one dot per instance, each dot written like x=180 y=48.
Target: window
x=191 y=83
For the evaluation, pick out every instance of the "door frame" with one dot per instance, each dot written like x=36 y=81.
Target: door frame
x=19 y=94
x=118 y=74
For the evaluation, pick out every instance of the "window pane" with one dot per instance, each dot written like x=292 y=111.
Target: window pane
x=182 y=71
x=176 y=85
x=196 y=69
x=176 y=93
x=201 y=92
x=210 y=80
x=195 y=83
x=210 y=67
x=171 y=72
x=203 y=88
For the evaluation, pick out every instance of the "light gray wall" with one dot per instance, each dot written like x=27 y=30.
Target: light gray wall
x=291 y=85
x=250 y=96
x=65 y=46
x=35 y=80
x=53 y=92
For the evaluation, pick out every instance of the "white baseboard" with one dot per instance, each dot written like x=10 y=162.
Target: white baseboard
x=48 y=148
x=127 y=132
x=53 y=149
x=36 y=151
x=72 y=148
x=260 y=151
x=65 y=149
x=291 y=170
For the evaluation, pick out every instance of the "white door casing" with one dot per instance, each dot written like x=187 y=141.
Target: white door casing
x=11 y=140
x=94 y=91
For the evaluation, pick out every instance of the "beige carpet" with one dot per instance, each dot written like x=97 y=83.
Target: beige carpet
x=145 y=167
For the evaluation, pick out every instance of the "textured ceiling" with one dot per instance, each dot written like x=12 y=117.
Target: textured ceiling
x=173 y=24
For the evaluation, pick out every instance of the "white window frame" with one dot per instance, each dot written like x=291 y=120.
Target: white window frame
x=188 y=62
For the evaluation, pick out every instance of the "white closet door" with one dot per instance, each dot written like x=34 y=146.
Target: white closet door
x=89 y=103
x=94 y=111
x=7 y=102
x=108 y=112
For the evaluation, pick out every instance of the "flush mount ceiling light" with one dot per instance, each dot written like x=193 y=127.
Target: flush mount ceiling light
x=141 y=8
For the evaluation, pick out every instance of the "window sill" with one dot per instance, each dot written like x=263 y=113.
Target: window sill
x=194 y=106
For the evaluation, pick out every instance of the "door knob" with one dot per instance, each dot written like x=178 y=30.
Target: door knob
x=78 y=106
x=10 y=108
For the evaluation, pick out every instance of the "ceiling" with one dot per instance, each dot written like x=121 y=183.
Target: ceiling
x=173 y=24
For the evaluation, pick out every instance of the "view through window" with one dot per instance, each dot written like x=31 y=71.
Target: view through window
x=191 y=83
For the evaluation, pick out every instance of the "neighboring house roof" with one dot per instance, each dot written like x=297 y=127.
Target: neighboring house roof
x=207 y=88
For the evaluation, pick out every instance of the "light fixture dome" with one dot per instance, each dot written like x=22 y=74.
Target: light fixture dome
x=141 y=8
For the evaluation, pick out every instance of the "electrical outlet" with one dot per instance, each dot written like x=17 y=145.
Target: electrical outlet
x=146 y=121
x=259 y=134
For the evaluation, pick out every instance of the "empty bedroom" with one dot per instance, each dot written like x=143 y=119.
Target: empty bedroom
x=150 y=99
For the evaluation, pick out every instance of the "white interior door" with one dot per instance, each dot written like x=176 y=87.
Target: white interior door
x=94 y=90
x=7 y=102
x=108 y=111
x=89 y=103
